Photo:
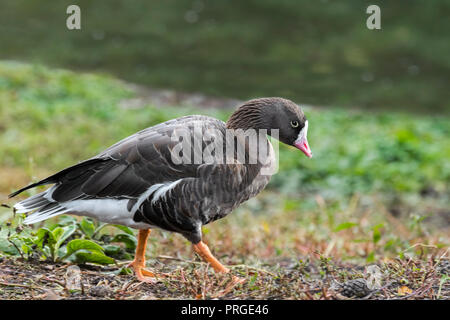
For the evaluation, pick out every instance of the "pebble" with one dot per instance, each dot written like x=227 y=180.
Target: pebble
x=100 y=291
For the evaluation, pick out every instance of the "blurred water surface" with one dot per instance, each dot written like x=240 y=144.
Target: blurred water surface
x=314 y=52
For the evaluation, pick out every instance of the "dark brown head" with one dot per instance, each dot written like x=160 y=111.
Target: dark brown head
x=274 y=113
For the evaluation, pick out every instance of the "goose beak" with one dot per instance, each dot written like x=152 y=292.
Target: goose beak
x=303 y=146
x=302 y=142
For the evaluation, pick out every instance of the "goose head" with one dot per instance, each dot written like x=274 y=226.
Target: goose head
x=274 y=113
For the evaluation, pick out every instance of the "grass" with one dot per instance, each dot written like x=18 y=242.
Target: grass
x=320 y=53
x=376 y=192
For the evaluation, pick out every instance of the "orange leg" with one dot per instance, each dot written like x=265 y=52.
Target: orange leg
x=202 y=249
x=138 y=263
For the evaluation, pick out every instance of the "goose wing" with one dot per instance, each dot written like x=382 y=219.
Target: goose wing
x=129 y=168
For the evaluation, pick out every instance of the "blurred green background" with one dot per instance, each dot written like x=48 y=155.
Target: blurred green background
x=314 y=52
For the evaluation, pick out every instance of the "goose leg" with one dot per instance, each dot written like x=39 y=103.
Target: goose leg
x=138 y=263
x=202 y=249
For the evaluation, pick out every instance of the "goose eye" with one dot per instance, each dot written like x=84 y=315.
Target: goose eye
x=294 y=124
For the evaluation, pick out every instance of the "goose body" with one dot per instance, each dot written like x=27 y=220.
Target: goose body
x=139 y=183
x=135 y=183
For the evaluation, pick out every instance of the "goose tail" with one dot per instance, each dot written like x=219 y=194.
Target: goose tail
x=42 y=204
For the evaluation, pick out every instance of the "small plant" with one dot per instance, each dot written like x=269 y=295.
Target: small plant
x=68 y=240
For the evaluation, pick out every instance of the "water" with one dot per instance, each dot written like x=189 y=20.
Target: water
x=318 y=53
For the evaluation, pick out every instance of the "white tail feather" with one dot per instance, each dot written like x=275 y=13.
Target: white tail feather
x=40 y=216
x=38 y=203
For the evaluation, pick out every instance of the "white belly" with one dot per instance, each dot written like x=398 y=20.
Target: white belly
x=105 y=210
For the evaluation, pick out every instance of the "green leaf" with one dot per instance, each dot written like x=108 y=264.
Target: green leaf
x=57 y=232
x=111 y=249
x=83 y=256
x=124 y=229
x=129 y=240
x=88 y=227
x=7 y=247
x=26 y=249
x=62 y=236
x=66 y=220
x=376 y=233
x=44 y=236
x=370 y=257
x=345 y=225
x=82 y=244
x=123 y=271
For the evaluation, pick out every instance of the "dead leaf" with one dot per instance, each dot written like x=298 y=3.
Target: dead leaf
x=404 y=290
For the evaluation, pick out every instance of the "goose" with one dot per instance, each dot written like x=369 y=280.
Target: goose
x=162 y=177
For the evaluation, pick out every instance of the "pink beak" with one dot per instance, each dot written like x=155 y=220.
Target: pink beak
x=302 y=142
x=304 y=147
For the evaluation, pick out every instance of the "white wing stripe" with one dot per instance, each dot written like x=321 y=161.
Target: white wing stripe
x=158 y=190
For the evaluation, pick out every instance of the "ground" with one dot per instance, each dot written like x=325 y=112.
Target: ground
x=284 y=279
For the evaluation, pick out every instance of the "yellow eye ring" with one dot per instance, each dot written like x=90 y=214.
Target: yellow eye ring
x=294 y=124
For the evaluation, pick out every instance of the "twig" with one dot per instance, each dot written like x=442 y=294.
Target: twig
x=8 y=284
x=178 y=259
x=310 y=297
x=253 y=268
x=310 y=290
x=15 y=246
x=60 y=283
x=420 y=244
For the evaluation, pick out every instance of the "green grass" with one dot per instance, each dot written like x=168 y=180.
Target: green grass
x=315 y=52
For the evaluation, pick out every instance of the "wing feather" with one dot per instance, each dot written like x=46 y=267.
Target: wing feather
x=128 y=168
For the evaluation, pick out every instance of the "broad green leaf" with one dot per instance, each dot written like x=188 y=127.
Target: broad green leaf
x=98 y=257
x=7 y=247
x=66 y=233
x=57 y=233
x=26 y=249
x=345 y=225
x=129 y=240
x=44 y=235
x=111 y=249
x=124 y=229
x=82 y=244
x=60 y=254
x=88 y=227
